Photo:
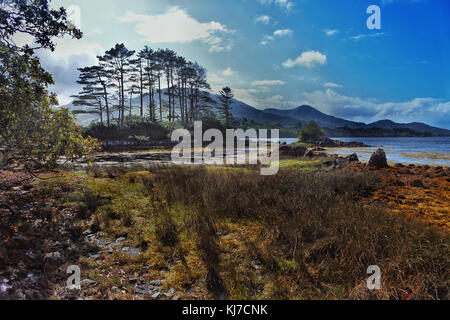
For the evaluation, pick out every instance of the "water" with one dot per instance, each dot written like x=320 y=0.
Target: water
x=435 y=150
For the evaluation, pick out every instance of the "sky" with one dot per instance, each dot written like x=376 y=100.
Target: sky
x=283 y=53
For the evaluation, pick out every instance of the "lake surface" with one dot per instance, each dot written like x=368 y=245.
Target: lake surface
x=435 y=150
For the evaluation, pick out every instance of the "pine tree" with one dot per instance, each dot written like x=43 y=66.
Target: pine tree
x=94 y=94
x=118 y=60
x=226 y=98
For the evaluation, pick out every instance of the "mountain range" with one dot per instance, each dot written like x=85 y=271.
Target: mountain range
x=292 y=117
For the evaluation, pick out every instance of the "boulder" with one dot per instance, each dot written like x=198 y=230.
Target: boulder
x=352 y=158
x=293 y=151
x=378 y=159
x=310 y=154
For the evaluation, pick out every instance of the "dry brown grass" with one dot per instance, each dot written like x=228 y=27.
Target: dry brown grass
x=240 y=235
x=316 y=241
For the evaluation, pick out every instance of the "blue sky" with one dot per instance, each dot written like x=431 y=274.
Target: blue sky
x=284 y=53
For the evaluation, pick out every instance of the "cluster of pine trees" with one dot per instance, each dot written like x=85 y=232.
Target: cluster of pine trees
x=122 y=75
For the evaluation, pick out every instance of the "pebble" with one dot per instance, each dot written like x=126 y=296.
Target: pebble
x=88 y=282
x=156 y=283
x=170 y=292
x=156 y=295
x=133 y=280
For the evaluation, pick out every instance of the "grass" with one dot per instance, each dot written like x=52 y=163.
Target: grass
x=234 y=233
x=302 y=165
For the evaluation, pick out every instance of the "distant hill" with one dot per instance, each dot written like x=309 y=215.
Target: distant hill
x=415 y=126
x=291 y=117
x=308 y=113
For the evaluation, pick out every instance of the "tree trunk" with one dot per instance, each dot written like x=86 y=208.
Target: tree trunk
x=160 y=99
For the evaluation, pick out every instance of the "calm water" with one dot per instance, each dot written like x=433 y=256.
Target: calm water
x=434 y=150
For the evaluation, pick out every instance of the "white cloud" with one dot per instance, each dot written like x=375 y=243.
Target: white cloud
x=283 y=33
x=66 y=48
x=177 y=26
x=362 y=36
x=308 y=59
x=69 y=55
x=246 y=95
x=331 y=32
x=266 y=40
x=228 y=72
x=285 y=4
x=277 y=33
x=268 y=83
x=263 y=19
x=430 y=110
x=95 y=31
x=215 y=79
x=332 y=85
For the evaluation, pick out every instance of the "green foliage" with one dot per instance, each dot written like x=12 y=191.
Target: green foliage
x=32 y=133
x=226 y=99
x=133 y=127
x=311 y=132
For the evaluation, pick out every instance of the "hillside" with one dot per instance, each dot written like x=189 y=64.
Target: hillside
x=291 y=117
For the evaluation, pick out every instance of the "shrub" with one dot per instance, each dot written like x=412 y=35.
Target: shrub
x=311 y=132
x=134 y=128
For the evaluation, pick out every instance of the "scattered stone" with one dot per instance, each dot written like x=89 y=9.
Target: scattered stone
x=133 y=280
x=170 y=293
x=156 y=283
x=156 y=295
x=378 y=159
x=142 y=289
x=256 y=264
x=88 y=282
x=133 y=252
x=52 y=261
x=121 y=239
x=176 y=298
x=95 y=257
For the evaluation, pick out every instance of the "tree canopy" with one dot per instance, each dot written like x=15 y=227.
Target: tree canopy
x=121 y=74
x=311 y=132
x=32 y=133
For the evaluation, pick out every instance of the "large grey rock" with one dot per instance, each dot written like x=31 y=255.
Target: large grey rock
x=378 y=159
x=352 y=158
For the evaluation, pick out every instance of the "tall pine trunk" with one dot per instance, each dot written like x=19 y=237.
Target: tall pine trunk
x=160 y=99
